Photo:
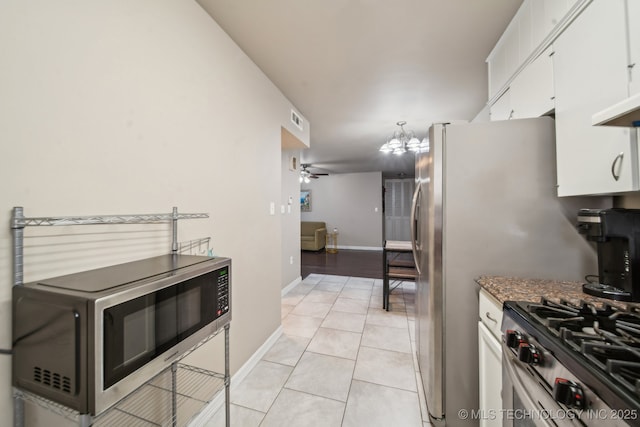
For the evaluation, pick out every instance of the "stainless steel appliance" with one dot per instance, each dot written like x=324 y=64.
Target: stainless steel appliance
x=485 y=204
x=87 y=340
x=617 y=236
x=570 y=365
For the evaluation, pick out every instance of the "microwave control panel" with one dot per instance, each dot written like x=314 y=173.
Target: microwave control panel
x=222 y=305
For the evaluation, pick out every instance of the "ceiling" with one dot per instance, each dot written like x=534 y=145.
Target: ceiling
x=354 y=68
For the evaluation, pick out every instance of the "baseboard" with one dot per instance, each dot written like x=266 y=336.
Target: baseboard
x=361 y=248
x=218 y=402
x=291 y=285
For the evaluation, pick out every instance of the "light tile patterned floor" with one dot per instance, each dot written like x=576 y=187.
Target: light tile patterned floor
x=342 y=361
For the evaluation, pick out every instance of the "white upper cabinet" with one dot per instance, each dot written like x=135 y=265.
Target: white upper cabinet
x=501 y=109
x=503 y=60
x=590 y=73
x=532 y=93
x=633 y=8
x=533 y=23
x=627 y=110
x=551 y=13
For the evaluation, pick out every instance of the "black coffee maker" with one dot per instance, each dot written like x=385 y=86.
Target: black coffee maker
x=617 y=236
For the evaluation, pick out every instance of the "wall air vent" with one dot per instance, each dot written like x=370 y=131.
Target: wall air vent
x=296 y=120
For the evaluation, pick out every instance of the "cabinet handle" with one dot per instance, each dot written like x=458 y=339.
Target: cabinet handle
x=491 y=318
x=613 y=166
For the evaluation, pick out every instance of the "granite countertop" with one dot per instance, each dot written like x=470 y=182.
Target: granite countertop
x=520 y=289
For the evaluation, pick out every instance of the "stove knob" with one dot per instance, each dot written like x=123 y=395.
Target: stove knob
x=529 y=354
x=568 y=393
x=513 y=338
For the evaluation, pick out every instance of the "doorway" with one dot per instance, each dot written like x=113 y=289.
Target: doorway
x=397 y=208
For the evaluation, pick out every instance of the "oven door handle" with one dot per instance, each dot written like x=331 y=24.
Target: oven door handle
x=511 y=364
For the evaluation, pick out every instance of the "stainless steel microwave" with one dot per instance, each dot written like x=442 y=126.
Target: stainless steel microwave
x=87 y=340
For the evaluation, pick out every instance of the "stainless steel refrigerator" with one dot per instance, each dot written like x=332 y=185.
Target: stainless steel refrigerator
x=485 y=204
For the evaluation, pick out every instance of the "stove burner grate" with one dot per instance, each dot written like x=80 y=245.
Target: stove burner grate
x=628 y=373
x=607 y=336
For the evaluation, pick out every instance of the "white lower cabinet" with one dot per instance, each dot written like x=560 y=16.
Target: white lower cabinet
x=590 y=73
x=489 y=362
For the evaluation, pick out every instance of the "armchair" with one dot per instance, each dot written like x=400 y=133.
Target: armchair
x=312 y=235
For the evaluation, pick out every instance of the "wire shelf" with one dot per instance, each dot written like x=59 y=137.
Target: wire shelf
x=104 y=219
x=152 y=404
x=47 y=404
x=200 y=246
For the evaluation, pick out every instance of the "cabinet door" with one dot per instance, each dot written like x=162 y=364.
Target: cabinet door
x=590 y=73
x=633 y=9
x=490 y=377
x=546 y=15
x=532 y=90
x=501 y=109
x=503 y=59
x=490 y=312
x=497 y=70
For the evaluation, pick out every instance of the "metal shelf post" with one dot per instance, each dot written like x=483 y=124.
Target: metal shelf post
x=227 y=378
x=18 y=276
x=17 y=226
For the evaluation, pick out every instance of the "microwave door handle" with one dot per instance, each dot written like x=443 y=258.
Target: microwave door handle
x=414 y=228
x=78 y=341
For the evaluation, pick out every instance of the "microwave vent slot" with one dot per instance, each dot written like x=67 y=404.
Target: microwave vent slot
x=52 y=379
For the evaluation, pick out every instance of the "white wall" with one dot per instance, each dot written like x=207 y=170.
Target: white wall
x=349 y=202
x=135 y=106
x=290 y=202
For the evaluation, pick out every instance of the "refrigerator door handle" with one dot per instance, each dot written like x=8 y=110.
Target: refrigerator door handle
x=414 y=238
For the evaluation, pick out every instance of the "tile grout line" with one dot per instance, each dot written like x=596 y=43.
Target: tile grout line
x=344 y=409
x=404 y=313
x=353 y=371
x=296 y=364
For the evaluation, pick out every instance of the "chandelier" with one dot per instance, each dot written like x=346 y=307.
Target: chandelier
x=401 y=141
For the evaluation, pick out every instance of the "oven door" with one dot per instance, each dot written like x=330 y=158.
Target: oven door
x=526 y=401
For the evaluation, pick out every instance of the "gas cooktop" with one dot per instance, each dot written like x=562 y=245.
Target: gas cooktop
x=600 y=344
x=609 y=337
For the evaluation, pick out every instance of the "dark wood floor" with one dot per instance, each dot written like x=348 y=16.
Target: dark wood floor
x=344 y=263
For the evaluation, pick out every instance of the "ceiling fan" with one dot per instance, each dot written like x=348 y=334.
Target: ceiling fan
x=305 y=174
